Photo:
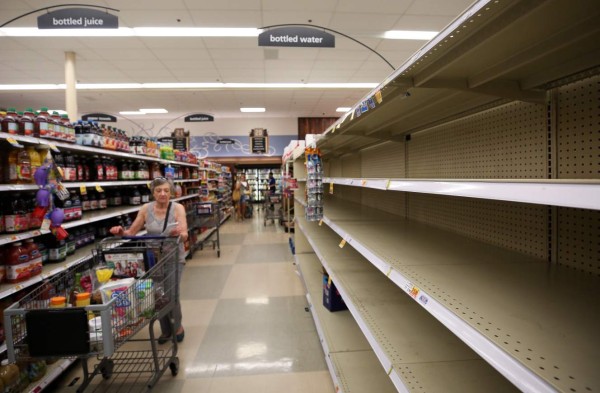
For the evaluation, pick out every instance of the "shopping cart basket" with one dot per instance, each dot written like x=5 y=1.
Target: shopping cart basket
x=272 y=208
x=208 y=217
x=127 y=305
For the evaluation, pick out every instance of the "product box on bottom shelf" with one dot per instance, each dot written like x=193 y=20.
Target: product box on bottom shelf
x=332 y=300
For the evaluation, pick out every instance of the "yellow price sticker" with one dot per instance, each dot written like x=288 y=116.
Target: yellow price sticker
x=378 y=97
x=13 y=142
x=364 y=183
x=342 y=243
x=98 y=188
x=331 y=188
x=328 y=280
x=387 y=186
x=320 y=222
x=82 y=190
x=53 y=147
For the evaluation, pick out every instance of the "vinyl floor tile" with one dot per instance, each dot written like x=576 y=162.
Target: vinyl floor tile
x=265 y=253
x=203 y=282
x=260 y=280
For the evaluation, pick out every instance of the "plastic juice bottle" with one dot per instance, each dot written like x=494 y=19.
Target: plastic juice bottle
x=41 y=125
x=11 y=166
x=15 y=219
x=70 y=170
x=98 y=137
x=35 y=257
x=17 y=263
x=58 y=302
x=78 y=129
x=68 y=130
x=10 y=123
x=36 y=159
x=58 y=127
x=75 y=205
x=26 y=123
x=24 y=175
x=93 y=195
x=87 y=136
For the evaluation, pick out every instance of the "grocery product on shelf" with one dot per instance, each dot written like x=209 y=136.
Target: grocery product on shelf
x=9 y=122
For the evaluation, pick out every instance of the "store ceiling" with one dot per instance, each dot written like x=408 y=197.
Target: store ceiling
x=36 y=60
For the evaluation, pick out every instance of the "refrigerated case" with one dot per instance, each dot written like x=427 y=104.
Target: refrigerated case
x=258 y=179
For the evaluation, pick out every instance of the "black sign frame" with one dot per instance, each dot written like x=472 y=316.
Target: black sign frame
x=297 y=36
x=103 y=117
x=78 y=18
x=198 y=118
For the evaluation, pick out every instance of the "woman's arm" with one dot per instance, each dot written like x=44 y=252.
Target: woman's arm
x=138 y=223
x=181 y=218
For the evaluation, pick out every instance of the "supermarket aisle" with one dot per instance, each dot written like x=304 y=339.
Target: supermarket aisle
x=246 y=327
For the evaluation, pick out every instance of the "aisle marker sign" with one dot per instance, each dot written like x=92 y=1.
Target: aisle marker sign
x=77 y=18
x=297 y=36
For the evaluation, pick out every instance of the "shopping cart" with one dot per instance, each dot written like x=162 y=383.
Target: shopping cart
x=272 y=208
x=208 y=217
x=35 y=331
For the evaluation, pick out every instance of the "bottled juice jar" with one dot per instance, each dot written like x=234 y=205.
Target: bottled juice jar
x=10 y=123
x=42 y=126
x=17 y=263
x=26 y=126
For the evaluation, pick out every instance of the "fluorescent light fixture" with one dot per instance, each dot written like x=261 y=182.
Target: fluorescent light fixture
x=154 y=110
x=252 y=110
x=409 y=35
x=131 y=113
x=343 y=109
x=131 y=32
x=207 y=86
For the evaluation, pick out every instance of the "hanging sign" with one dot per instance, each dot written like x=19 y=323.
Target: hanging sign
x=99 y=117
x=78 y=18
x=259 y=141
x=298 y=36
x=226 y=141
x=198 y=117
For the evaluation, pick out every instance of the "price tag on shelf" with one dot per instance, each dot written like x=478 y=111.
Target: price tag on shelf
x=13 y=142
x=321 y=222
x=82 y=190
x=60 y=172
x=387 y=186
x=328 y=280
x=364 y=183
x=389 y=372
x=53 y=147
x=389 y=272
x=378 y=97
x=331 y=188
x=342 y=243
x=98 y=188
x=18 y=287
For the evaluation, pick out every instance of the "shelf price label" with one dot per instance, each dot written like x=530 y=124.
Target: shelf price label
x=53 y=147
x=45 y=225
x=82 y=190
x=331 y=188
x=364 y=183
x=321 y=222
x=13 y=142
x=387 y=186
x=342 y=243
x=378 y=97
x=98 y=188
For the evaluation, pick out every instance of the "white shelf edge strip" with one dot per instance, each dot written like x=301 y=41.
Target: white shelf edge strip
x=511 y=368
x=383 y=358
x=575 y=195
x=58 y=369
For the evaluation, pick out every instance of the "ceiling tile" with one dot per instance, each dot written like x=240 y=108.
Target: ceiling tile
x=345 y=22
x=451 y=8
x=224 y=5
x=220 y=18
x=361 y=6
x=280 y=16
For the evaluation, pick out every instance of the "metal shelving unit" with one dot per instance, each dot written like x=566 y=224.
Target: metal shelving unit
x=408 y=343
x=469 y=181
x=346 y=348
x=522 y=315
x=576 y=193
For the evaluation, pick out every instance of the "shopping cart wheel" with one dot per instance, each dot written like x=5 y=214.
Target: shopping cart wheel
x=174 y=366
x=107 y=369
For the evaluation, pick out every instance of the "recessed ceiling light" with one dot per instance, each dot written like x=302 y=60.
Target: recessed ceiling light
x=409 y=35
x=343 y=109
x=154 y=110
x=252 y=110
x=131 y=113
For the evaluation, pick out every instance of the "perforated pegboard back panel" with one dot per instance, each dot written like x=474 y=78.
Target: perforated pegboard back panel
x=391 y=202
x=333 y=168
x=579 y=239
x=351 y=165
x=509 y=141
x=578 y=129
x=385 y=160
x=519 y=227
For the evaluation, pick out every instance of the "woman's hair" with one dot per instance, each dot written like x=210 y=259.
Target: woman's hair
x=159 y=181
